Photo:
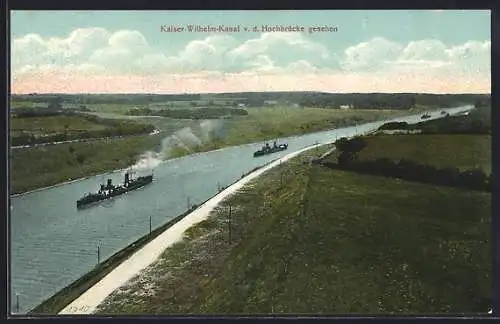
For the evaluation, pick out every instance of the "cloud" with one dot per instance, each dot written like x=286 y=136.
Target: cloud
x=269 y=42
x=473 y=56
x=429 y=56
x=371 y=55
x=32 y=49
x=127 y=53
x=430 y=49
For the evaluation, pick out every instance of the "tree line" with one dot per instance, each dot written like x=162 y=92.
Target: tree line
x=358 y=100
x=105 y=98
x=258 y=99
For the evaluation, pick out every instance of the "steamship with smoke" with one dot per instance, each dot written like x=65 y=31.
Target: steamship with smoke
x=110 y=190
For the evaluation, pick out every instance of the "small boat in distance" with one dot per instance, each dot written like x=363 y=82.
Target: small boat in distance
x=109 y=190
x=267 y=149
x=425 y=116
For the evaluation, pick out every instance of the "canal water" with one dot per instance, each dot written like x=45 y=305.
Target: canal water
x=53 y=243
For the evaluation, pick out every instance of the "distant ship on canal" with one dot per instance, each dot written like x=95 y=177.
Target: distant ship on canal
x=267 y=149
x=109 y=190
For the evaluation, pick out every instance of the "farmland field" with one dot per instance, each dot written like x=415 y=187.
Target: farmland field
x=461 y=151
x=53 y=124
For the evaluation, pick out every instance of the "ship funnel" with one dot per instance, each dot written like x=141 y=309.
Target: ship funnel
x=127 y=179
x=109 y=183
x=102 y=187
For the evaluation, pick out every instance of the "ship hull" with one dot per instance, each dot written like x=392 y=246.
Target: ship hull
x=273 y=150
x=95 y=199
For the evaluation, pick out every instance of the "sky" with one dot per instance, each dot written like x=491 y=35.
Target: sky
x=432 y=51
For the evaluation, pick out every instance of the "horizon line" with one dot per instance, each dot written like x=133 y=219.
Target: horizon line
x=271 y=91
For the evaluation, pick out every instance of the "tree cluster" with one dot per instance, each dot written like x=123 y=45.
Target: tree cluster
x=348 y=148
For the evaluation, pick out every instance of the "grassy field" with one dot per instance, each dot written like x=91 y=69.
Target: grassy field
x=48 y=165
x=20 y=104
x=120 y=109
x=462 y=151
x=107 y=108
x=275 y=122
x=53 y=124
x=169 y=125
x=307 y=239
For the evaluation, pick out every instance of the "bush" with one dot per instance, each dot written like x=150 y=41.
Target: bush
x=394 y=125
x=407 y=169
x=474 y=179
x=448 y=176
x=353 y=145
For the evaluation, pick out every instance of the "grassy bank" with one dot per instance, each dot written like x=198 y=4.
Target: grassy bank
x=48 y=165
x=307 y=239
x=462 y=151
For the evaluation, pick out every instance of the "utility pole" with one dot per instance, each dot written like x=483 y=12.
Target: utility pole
x=229 y=223
x=17 y=303
x=188 y=203
x=98 y=254
x=150 y=225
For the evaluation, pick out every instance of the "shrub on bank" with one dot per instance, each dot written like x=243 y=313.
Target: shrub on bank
x=474 y=179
